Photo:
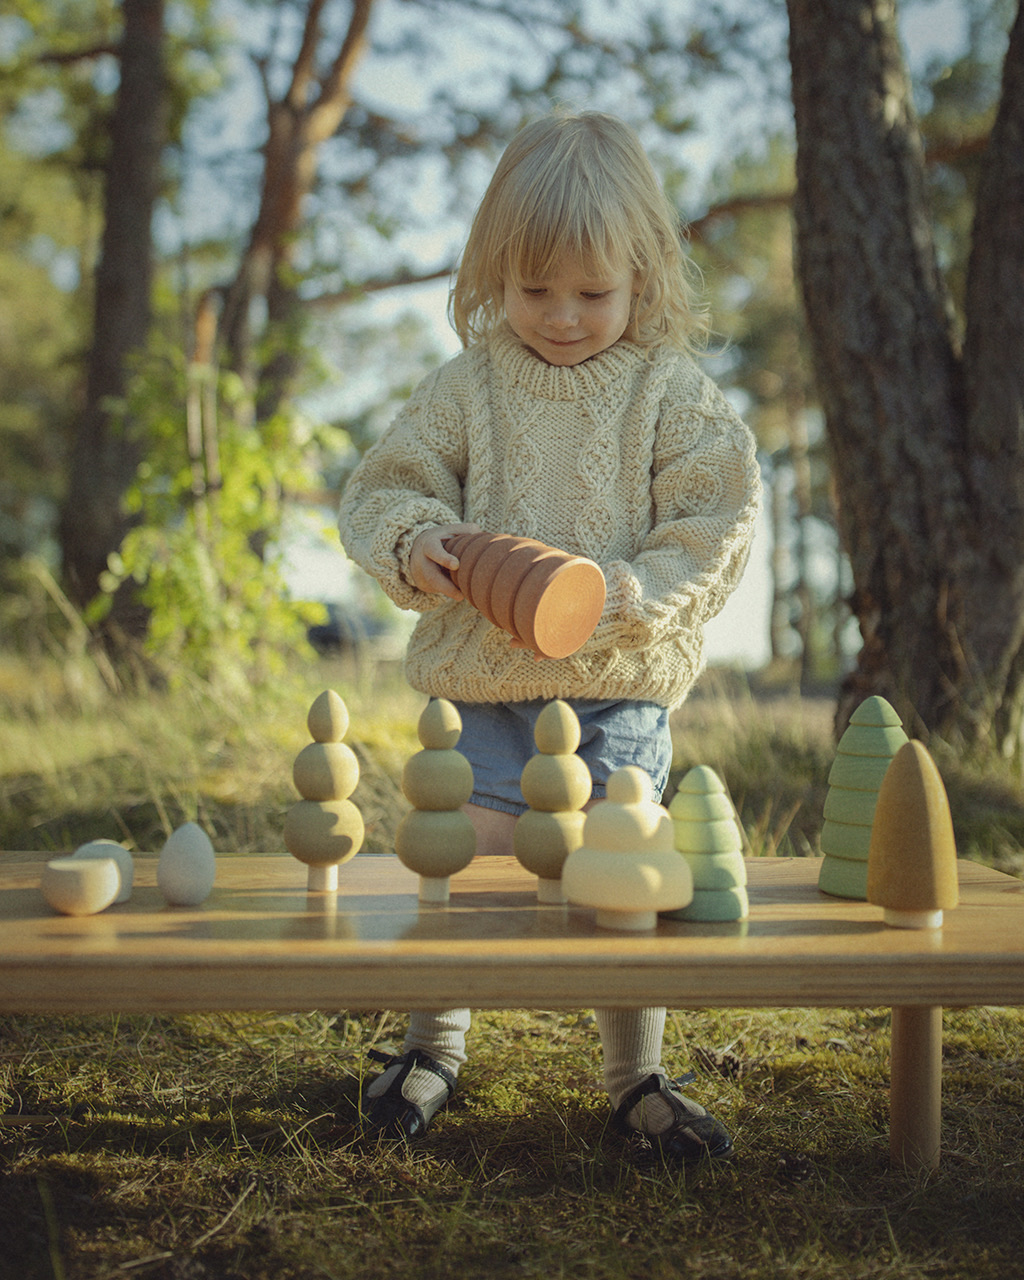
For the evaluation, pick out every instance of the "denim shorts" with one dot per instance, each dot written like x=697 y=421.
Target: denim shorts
x=497 y=739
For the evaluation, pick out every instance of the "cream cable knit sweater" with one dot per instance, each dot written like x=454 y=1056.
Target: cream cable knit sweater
x=633 y=458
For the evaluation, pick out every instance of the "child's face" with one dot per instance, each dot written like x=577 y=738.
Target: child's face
x=571 y=314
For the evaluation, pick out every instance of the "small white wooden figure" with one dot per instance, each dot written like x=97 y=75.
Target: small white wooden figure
x=436 y=839
x=187 y=867
x=912 y=871
x=80 y=886
x=325 y=829
x=556 y=784
x=627 y=867
x=124 y=860
x=873 y=736
x=708 y=836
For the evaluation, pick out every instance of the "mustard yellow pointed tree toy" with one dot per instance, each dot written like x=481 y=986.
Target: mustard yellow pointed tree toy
x=325 y=829
x=436 y=838
x=912 y=872
x=556 y=784
x=707 y=834
x=873 y=736
x=627 y=867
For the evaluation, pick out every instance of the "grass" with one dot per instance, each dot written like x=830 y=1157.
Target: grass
x=181 y=1148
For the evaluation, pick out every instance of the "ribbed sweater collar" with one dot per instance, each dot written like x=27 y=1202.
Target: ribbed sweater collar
x=518 y=366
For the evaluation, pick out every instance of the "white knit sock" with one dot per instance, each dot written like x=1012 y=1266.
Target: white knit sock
x=441 y=1035
x=632 y=1040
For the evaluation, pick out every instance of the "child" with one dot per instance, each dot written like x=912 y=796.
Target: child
x=575 y=415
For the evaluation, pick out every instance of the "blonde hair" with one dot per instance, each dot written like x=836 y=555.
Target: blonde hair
x=578 y=184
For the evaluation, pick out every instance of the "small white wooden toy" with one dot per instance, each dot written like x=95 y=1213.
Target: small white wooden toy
x=80 y=886
x=556 y=784
x=627 y=867
x=912 y=866
x=325 y=829
x=187 y=867
x=124 y=860
x=436 y=839
x=865 y=751
x=708 y=836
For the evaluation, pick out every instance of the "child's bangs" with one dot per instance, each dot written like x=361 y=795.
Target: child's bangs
x=552 y=231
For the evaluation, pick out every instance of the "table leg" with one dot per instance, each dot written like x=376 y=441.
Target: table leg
x=915 y=1087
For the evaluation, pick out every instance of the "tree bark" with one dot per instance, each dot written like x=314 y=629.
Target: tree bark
x=297 y=125
x=104 y=453
x=915 y=430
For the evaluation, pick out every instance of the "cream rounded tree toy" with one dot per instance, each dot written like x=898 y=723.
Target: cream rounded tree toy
x=436 y=839
x=627 y=867
x=865 y=751
x=325 y=829
x=707 y=834
x=912 y=871
x=556 y=784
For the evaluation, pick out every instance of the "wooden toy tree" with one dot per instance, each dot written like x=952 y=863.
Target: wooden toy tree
x=627 y=867
x=865 y=751
x=556 y=784
x=707 y=834
x=436 y=839
x=912 y=864
x=548 y=599
x=325 y=829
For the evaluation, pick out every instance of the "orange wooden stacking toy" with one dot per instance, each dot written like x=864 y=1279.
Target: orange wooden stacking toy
x=549 y=599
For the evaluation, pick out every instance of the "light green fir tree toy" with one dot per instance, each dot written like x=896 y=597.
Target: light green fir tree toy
x=865 y=751
x=708 y=836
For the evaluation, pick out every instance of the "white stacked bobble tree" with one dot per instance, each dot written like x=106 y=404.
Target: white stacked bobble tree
x=627 y=867
x=912 y=870
x=436 y=839
x=865 y=751
x=556 y=784
x=708 y=836
x=325 y=829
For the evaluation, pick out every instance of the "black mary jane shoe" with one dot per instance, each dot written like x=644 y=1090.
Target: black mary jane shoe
x=693 y=1135
x=393 y=1115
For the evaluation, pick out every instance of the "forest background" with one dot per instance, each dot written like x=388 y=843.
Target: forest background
x=201 y=199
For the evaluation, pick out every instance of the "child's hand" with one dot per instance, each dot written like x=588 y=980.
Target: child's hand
x=431 y=563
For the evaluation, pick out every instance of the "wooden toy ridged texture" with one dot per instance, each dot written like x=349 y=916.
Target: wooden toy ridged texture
x=548 y=599
x=707 y=834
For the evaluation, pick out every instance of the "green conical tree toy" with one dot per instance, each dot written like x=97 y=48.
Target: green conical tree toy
x=865 y=751
x=707 y=834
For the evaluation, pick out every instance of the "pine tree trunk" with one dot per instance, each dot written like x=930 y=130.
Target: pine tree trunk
x=916 y=519
x=104 y=453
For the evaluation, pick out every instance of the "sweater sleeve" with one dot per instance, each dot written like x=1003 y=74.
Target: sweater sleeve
x=408 y=481
x=706 y=492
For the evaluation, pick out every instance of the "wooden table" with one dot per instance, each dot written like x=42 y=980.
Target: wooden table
x=262 y=942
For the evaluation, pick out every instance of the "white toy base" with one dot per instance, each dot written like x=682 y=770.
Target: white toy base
x=323 y=879
x=636 y=921
x=434 y=889
x=550 y=892
x=912 y=919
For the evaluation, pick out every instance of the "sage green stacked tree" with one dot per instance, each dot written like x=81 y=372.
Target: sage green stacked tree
x=556 y=784
x=707 y=834
x=436 y=839
x=873 y=736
